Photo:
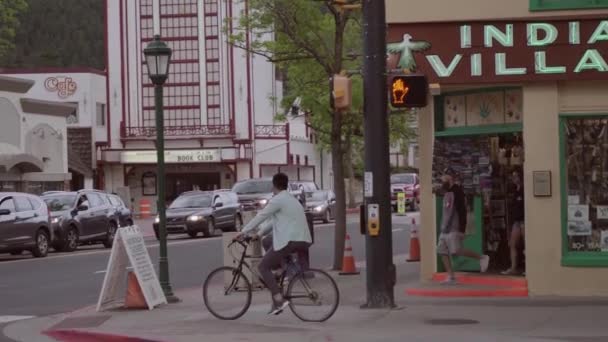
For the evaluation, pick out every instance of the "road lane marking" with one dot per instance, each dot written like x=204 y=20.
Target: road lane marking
x=106 y=251
x=8 y=319
x=398 y=230
x=104 y=271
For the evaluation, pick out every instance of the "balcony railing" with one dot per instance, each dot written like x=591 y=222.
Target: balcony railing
x=272 y=131
x=135 y=132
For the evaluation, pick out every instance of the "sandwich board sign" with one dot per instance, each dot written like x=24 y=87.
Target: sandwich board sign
x=129 y=249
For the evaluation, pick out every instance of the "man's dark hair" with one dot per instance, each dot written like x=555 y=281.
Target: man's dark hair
x=280 y=181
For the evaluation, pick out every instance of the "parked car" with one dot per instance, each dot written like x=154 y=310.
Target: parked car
x=207 y=212
x=125 y=217
x=255 y=193
x=322 y=205
x=408 y=183
x=24 y=224
x=84 y=216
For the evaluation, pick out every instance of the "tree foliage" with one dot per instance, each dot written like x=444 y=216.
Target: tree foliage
x=58 y=33
x=10 y=11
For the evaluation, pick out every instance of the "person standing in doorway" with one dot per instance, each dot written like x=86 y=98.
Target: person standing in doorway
x=517 y=215
x=453 y=227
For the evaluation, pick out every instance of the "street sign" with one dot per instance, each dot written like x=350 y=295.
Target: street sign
x=129 y=249
x=369 y=184
x=408 y=91
x=401 y=203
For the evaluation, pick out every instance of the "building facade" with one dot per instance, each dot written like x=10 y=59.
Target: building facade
x=33 y=139
x=517 y=86
x=87 y=131
x=220 y=104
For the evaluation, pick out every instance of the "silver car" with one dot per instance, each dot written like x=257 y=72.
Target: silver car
x=321 y=204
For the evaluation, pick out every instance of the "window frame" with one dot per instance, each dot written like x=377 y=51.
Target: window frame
x=560 y=5
x=573 y=258
x=12 y=199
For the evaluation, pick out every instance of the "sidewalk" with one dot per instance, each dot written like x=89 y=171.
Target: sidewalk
x=419 y=319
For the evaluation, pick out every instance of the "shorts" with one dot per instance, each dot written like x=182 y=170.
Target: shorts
x=450 y=243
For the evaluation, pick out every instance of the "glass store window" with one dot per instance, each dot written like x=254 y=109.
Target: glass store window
x=584 y=161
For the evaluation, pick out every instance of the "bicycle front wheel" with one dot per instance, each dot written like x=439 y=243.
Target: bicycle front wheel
x=313 y=296
x=227 y=293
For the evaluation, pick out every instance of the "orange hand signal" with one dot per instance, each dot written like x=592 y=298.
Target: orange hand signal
x=399 y=91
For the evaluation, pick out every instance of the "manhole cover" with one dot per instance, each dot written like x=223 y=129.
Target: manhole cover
x=451 y=321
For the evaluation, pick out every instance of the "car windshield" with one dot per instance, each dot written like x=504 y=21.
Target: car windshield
x=317 y=196
x=403 y=179
x=60 y=202
x=253 y=187
x=191 y=202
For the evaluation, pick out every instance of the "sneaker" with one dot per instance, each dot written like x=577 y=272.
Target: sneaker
x=449 y=281
x=509 y=272
x=278 y=308
x=484 y=262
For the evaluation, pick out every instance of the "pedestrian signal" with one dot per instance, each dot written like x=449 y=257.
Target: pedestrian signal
x=408 y=91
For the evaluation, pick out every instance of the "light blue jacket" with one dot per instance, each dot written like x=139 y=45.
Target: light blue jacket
x=286 y=219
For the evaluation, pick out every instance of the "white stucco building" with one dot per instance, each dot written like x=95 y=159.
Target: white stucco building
x=219 y=105
x=33 y=139
x=87 y=129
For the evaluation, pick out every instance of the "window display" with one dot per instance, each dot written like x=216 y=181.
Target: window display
x=586 y=183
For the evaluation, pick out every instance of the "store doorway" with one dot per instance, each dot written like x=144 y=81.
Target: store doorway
x=487 y=167
x=178 y=183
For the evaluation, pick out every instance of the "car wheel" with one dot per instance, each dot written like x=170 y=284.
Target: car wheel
x=192 y=234
x=238 y=223
x=211 y=229
x=130 y=223
x=71 y=240
x=107 y=243
x=16 y=252
x=41 y=249
x=327 y=217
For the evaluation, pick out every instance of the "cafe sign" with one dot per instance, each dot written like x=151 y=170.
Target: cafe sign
x=505 y=51
x=171 y=156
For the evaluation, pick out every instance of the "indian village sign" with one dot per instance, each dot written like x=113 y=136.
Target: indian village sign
x=502 y=51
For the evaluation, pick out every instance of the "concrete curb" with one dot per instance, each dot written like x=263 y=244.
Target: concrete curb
x=87 y=336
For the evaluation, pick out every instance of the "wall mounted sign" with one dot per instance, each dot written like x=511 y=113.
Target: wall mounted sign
x=502 y=51
x=171 y=156
x=148 y=184
x=63 y=86
x=541 y=181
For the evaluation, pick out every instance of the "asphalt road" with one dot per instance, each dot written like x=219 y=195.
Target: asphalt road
x=64 y=282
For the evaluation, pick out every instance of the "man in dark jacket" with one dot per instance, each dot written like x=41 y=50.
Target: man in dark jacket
x=517 y=215
x=453 y=227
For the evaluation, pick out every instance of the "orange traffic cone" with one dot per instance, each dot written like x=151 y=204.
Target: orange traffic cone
x=414 y=243
x=348 y=262
x=135 y=298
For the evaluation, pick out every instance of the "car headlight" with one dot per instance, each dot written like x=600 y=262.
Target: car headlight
x=263 y=203
x=157 y=219
x=56 y=220
x=318 y=208
x=195 y=218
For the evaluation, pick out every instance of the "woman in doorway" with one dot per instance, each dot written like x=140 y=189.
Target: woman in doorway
x=517 y=214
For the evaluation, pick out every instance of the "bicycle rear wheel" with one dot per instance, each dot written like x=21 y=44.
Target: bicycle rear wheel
x=313 y=296
x=227 y=293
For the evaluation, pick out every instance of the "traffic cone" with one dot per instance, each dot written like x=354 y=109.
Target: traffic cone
x=135 y=298
x=414 y=243
x=348 y=262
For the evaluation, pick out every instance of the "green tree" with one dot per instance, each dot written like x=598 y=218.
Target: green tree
x=59 y=33
x=313 y=36
x=9 y=22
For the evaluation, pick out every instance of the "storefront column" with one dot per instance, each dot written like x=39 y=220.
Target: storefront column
x=427 y=199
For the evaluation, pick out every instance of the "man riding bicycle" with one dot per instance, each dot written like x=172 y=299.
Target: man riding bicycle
x=290 y=234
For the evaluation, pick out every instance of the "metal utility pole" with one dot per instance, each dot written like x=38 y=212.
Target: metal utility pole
x=379 y=249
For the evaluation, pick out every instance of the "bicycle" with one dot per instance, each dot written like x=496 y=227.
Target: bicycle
x=232 y=282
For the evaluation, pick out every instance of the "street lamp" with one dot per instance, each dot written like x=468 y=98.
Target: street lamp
x=158 y=56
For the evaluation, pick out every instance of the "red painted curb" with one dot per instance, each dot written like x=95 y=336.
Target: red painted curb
x=86 y=336
x=514 y=292
x=485 y=280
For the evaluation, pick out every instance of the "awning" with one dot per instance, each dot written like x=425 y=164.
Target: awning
x=76 y=164
x=15 y=85
x=34 y=106
x=22 y=161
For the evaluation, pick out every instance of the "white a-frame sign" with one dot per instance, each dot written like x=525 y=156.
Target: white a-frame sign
x=129 y=248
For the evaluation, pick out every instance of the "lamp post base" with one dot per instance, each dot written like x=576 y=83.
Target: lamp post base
x=171 y=298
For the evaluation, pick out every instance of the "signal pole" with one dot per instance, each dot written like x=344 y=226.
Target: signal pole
x=379 y=249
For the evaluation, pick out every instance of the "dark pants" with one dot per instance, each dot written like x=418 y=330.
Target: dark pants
x=273 y=259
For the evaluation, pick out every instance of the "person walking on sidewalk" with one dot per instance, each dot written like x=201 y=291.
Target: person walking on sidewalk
x=453 y=227
x=517 y=230
x=290 y=234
